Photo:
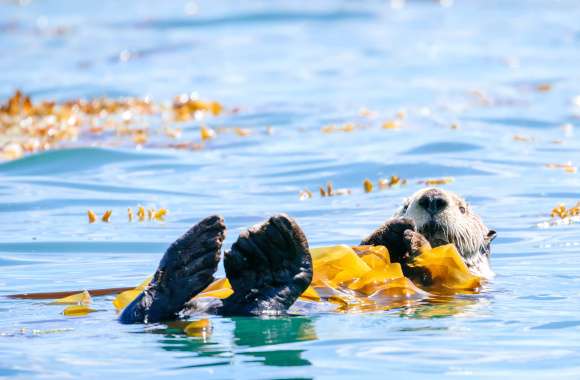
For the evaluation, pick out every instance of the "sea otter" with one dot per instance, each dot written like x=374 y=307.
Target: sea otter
x=270 y=266
x=436 y=217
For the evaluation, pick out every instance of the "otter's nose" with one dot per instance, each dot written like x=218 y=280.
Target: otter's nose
x=433 y=201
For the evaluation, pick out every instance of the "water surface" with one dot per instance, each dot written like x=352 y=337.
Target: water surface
x=480 y=65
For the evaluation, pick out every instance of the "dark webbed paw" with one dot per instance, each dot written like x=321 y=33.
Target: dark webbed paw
x=186 y=269
x=391 y=236
x=269 y=267
x=415 y=242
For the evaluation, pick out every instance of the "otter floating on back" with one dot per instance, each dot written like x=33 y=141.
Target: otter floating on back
x=270 y=266
x=443 y=217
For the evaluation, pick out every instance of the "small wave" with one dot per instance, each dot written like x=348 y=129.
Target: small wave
x=83 y=247
x=443 y=147
x=256 y=18
x=68 y=160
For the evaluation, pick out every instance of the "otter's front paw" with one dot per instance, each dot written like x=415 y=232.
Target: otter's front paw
x=391 y=236
x=415 y=243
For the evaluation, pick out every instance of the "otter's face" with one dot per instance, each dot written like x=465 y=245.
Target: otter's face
x=444 y=217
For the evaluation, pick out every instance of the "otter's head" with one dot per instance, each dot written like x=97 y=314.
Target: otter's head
x=444 y=217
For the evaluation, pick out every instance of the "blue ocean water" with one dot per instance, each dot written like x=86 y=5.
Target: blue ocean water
x=495 y=69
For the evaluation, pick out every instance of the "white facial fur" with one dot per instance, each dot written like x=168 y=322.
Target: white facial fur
x=456 y=223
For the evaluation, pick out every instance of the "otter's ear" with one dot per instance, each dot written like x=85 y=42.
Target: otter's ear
x=491 y=235
x=486 y=248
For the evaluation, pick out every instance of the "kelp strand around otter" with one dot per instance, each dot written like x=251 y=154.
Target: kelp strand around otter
x=434 y=244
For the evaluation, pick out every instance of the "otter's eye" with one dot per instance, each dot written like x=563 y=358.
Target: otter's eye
x=462 y=209
x=405 y=207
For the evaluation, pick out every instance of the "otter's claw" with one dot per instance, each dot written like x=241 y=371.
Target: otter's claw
x=390 y=235
x=186 y=269
x=269 y=267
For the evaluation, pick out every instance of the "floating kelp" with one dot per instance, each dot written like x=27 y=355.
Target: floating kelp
x=522 y=138
x=562 y=215
x=562 y=212
x=365 y=112
x=368 y=187
x=126 y=297
x=567 y=167
x=186 y=107
x=329 y=191
x=391 y=182
x=391 y=124
x=348 y=127
x=394 y=123
x=83 y=298
x=151 y=214
x=543 y=87
x=92 y=216
x=107 y=216
x=358 y=279
x=383 y=184
x=79 y=304
x=218 y=289
x=206 y=133
x=201 y=328
x=436 y=181
x=77 y=310
x=447 y=270
x=27 y=126
x=242 y=132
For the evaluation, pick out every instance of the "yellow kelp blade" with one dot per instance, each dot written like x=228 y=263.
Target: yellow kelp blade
x=397 y=289
x=370 y=281
x=333 y=266
x=83 y=298
x=125 y=298
x=310 y=294
x=447 y=268
x=360 y=278
x=381 y=272
x=199 y=328
x=222 y=289
x=77 y=310
x=375 y=257
x=218 y=289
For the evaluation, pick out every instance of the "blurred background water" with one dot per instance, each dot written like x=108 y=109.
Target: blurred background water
x=495 y=69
